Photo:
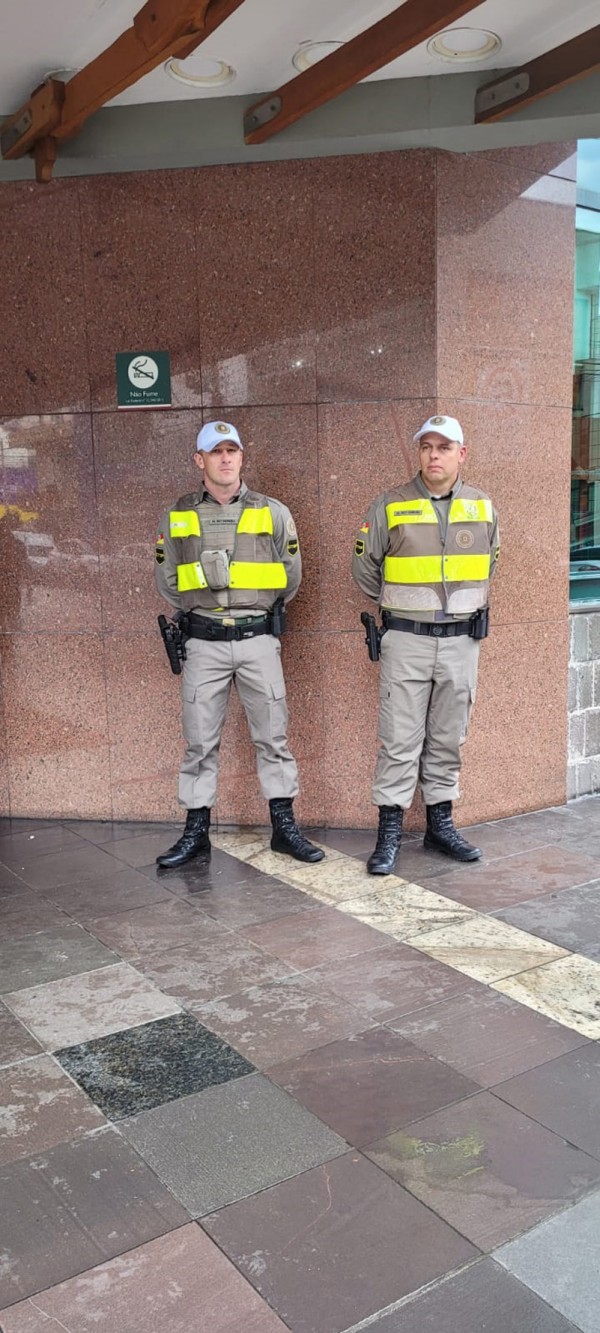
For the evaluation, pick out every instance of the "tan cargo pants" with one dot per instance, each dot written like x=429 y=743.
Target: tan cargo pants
x=254 y=667
x=427 y=691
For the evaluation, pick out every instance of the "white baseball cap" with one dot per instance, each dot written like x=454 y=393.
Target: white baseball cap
x=214 y=433
x=449 y=427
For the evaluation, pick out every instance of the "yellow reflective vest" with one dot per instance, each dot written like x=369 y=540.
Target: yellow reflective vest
x=254 y=564
x=420 y=573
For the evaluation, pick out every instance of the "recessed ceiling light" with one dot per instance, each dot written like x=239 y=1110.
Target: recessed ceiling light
x=199 y=72
x=464 y=44
x=309 y=53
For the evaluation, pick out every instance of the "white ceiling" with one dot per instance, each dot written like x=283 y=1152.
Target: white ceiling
x=259 y=40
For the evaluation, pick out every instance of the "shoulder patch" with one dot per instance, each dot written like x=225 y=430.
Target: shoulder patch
x=292 y=546
x=291 y=527
x=359 y=548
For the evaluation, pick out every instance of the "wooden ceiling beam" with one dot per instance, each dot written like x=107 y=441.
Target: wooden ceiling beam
x=163 y=28
x=414 y=22
x=549 y=72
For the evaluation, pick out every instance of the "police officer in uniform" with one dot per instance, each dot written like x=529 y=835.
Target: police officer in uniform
x=426 y=553
x=224 y=556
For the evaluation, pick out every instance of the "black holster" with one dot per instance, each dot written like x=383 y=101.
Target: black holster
x=373 y=636
x=479 y=624
x=174 y=639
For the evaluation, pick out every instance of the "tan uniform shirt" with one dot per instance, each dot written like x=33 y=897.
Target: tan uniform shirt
x=367 y=569
x=219 y=523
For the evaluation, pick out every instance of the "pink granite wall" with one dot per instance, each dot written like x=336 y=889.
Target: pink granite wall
x=327 y=308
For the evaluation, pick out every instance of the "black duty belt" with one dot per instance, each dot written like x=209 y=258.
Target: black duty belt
x=447 y=630
x=202 y=627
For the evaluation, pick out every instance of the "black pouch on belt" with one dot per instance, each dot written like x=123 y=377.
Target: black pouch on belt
x=479 y=624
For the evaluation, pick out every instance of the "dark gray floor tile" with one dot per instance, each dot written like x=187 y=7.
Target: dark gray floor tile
x=490 y=1171
x=75 y=1206
x=336 y=1244
x=482 y=1297
x=9 y=825
x=155 y=928
x=485 y=1035
x=102 y=832
x=515 y=879
x=16 y=1043
x=41 y=1107
x=570 y=918
x=49 y=954
x=26 y=913
x=232 y=892
x=370 y=1085
x=144 y=1067
x=143 y=848
x=564 y=1095
x=10 y=884
x=20 y=849
x=115 y=888
x=82 y=861
x=559 y=1261
x=230 y=1141
x=180 y=1283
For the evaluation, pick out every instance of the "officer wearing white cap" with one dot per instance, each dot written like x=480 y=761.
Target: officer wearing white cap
x=426 y=553
x=227 y=558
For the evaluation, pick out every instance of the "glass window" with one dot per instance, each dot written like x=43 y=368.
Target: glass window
x=585 y=474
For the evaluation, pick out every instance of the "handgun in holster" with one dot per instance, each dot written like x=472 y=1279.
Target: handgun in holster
x=372 y=635
x=277 y=618
x=174 y=639
x=480 y=624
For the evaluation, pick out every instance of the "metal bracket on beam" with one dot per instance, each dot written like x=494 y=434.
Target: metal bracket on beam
x=262 y=113
x=498 y=94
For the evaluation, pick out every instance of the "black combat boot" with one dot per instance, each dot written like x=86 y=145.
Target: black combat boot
x=389 y=837
x=286 y=834
x=192 y=842
x=441 y=835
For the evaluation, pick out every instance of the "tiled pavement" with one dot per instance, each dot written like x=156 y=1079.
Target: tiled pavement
x=252 y=1096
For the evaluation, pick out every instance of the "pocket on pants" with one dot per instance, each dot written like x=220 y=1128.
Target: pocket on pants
x=278 y=711
x=190 y=714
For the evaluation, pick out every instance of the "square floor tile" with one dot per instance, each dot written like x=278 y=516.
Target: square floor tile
x=486 y=949
x=230 y=1141
x=485 y=1035
x=40 y=1107
x=369 y=1085
x=143 y=849
x=35 y=959
x=310 y=938
x=11 y=884
x=336 y=1244
x=145 y=1066
x=231 y=891
x=391 y=980
x=272 y=1023
x=18 y=849
x=74 y=1009
x=564 y=1095
x=116 y=888
x=104 y=831
x=26 y=913
x=16 y=1043
x=162 y=1286
x=570 y=918
x=81 y=860
x=493 y=885
x=559 y=1261
x=210 y=968
x=567 y=990
x=482 y=1297
x=146 y=931
x=76 y=1205
x=488 y=1170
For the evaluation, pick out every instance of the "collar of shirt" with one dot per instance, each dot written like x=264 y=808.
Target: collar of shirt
x=422 y=488
x=205 y=496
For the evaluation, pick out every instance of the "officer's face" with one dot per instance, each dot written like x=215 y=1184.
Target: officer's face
x=440 y=461
x=222 y=466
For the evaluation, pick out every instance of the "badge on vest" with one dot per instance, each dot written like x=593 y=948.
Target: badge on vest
x=359 y=549
x=464 y=539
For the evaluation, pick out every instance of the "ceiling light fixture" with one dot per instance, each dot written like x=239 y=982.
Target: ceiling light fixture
x=199 y=72
x=309 y=53
x=464 y=44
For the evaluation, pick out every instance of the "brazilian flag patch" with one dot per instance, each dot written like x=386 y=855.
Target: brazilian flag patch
x=159 y=552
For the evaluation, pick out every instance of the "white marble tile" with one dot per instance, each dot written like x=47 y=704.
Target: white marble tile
x=243 y=843
x=567 y=990
x=405 y=910
x=93 y=1004
x=486 y=949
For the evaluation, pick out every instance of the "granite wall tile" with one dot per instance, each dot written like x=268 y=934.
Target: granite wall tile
x=44 y=361
x=138 y=264
x=56 y=725
x=48 y=524
x=256 y=291
x=375 y=276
